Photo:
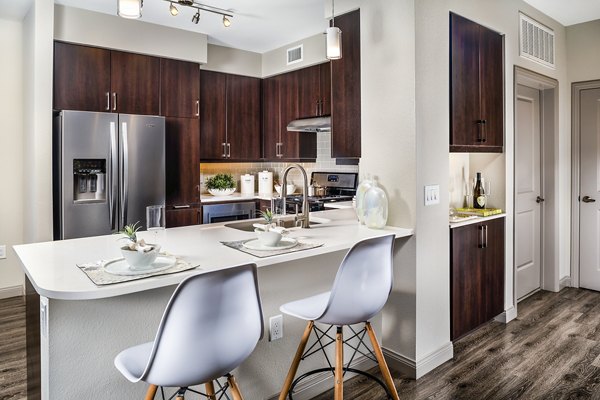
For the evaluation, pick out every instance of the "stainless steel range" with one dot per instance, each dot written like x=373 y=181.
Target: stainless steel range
x=335 y=187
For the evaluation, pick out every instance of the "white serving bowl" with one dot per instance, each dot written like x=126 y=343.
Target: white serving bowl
x=221 y=192
x=138 y=259
x=270 y=238
x=291 y=188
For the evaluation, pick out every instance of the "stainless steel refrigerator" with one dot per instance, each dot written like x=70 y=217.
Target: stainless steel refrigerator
x=107 y=169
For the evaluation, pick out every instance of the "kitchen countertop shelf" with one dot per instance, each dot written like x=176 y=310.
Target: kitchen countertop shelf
x=475 y=220
x=237 y=196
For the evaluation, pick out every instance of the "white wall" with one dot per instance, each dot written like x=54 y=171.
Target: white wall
x=11 y=153
x=274 y=62
x=583 y=49
x=233 y=61
x=86 y=27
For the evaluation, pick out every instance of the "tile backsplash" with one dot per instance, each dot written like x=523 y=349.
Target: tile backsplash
x=324 y=163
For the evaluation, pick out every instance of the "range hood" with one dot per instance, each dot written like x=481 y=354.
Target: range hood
x=315 y=125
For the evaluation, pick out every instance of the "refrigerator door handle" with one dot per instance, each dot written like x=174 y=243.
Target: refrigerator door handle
x=112 y=161
x=124 y=174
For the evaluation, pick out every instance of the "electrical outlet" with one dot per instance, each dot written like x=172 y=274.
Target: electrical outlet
x=2 y=251
x=432 y=195
x=275 y=327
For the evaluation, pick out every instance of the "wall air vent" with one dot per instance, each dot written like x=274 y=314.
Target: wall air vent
x=295 y=54
x=536 y=41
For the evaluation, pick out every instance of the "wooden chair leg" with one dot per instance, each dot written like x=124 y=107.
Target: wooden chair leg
x=210 y=390
x=151 y=392
x=235 y=390
x=385 y=371
x=339 y=364
x=296 y=361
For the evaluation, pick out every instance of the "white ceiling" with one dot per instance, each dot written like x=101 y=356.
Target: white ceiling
x=569 y=12
x=257 y=25
x=16 y=10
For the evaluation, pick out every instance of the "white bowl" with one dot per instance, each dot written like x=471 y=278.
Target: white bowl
x=270 y=238
x=137 y=259
x=221 y=192
x=291 y=188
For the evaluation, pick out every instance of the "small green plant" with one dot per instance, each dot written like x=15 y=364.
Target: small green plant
x=130 y=232
x=267 y=215
x=220 y=181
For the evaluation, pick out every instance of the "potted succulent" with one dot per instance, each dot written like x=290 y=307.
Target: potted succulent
x=220 y=185
x=137 y=252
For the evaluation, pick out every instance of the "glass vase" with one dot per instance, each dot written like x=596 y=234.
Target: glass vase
x=362 y=189
x=375 y=207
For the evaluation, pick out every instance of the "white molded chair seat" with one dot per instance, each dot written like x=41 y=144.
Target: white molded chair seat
x=309 y=308
x=211 y=324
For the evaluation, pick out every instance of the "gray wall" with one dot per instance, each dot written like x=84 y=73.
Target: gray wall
x=583 y=46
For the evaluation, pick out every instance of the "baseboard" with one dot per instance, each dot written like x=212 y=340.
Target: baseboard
x=507 y=315
x=417 y=369
x=316 y=384
x=12 y=291
x=564 y=283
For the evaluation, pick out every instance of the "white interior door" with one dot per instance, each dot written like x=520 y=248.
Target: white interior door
x=589 y=212
x=527 y=189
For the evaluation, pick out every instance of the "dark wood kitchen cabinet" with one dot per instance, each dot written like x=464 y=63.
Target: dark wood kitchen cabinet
x=135 y=83
x=182 y=148
x=476 y=87
x=179 y=88
x=81 y=78
x=183 y=217
x=476 y=275
x=314 y=90
x=345 y=91
x=229 y=117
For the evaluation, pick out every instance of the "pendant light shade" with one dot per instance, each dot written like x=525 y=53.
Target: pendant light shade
x=334 y=43
x=131 y=9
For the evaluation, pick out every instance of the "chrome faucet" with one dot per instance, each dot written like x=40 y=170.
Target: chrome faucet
x=304 y=219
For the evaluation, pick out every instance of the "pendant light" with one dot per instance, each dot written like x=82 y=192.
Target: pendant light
x=334 y=38
x=131 y=9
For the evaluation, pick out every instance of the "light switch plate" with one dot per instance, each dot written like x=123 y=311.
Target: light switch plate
x=2 y=251
x=432 y=195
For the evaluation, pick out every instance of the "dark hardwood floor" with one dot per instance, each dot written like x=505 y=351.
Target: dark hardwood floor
x=551 y=351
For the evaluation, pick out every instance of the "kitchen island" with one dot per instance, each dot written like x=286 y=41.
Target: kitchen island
x=83 y=326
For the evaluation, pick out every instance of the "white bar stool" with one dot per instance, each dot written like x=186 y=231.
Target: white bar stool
x=212 y=323
x=360 y=290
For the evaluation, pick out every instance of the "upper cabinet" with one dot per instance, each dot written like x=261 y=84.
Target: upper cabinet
x=92 y=79
x=345 y=90
x=179 y=88
x=476 y=87
x=229 y=117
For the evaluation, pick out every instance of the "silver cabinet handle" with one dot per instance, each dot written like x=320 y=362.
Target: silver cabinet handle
x=485 y=228
x=317 y=109
x=114 y=101
x=481 y=243
x=124 y=174
x=197 y=108
x=224 y=155
x=228 y=150
x=588 y=199
x=108 y=102
x=182 y=206
x=111 y=181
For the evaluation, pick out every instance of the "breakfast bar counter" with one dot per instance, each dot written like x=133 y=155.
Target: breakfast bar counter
x=82 y=327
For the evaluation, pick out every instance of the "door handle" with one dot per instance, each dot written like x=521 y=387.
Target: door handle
x=539 y=200
x=112 y=171
x=197 y=108
x=107 y=101
x=114 y=101
x=124 y=174
x=224 y=155
x=481 y=243
x=588 y=199
x=228 y=150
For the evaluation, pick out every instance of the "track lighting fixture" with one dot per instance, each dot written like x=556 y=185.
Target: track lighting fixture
x=196 y=18
x=227 y=15
x=173 y=10
x=226 y=22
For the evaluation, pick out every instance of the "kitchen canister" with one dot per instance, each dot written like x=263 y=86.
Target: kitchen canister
x=247 y=184
x=375 y=207
x=265 y=182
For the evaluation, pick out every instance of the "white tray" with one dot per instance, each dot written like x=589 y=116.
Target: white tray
x=120 y=267
x=285 y=243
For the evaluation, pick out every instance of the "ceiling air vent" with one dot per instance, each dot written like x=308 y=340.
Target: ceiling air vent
x=295 y=54
x=537 y=41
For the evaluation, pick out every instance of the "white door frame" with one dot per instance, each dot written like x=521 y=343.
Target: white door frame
x=576 y=88
x=549 y=127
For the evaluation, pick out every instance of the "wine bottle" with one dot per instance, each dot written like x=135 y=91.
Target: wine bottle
x=479 y=193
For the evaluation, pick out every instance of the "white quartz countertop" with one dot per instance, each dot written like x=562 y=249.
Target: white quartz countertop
x=51 y=266
x=339 y=205
x=475 y=220
x=237 y=196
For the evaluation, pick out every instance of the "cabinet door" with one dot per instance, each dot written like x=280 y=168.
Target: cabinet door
x=179 y=88
x=325 y=88
x=182 y=146
x=345 y=91
x=243 y=118
x=467 y=279
x=81 y=78
x=491 y=83
x=135 y=80
x=464 y=82
x=213 y=115
x=289 y=111
x=309 y=91
x=183 y=217
x=494 y=267
x=271 y=125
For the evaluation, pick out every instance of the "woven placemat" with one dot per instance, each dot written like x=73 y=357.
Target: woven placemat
x=239 y=245
x=98 y=275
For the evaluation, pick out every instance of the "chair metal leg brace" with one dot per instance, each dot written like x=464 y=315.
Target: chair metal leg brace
x=210 y=394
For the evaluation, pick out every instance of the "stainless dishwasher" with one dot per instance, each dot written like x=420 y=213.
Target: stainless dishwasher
x=225 y=212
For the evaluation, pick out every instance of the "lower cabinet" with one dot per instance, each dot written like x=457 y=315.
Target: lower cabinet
x=183 y=217
x=476 y=275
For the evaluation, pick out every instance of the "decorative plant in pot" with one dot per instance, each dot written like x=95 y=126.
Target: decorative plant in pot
x=137 y=252
x=220 y=185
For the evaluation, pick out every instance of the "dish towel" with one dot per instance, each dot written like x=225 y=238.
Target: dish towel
x=95 y=271
x=239 y=245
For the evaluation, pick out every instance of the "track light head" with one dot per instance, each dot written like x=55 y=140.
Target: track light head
x=196 y=18
x=226 y=21
x=174 y=11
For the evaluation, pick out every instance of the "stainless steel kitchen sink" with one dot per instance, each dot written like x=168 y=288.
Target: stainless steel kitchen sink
x=248 y=226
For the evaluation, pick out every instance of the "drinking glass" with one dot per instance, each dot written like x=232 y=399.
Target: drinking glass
x=469 y=185
x=155 y=217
